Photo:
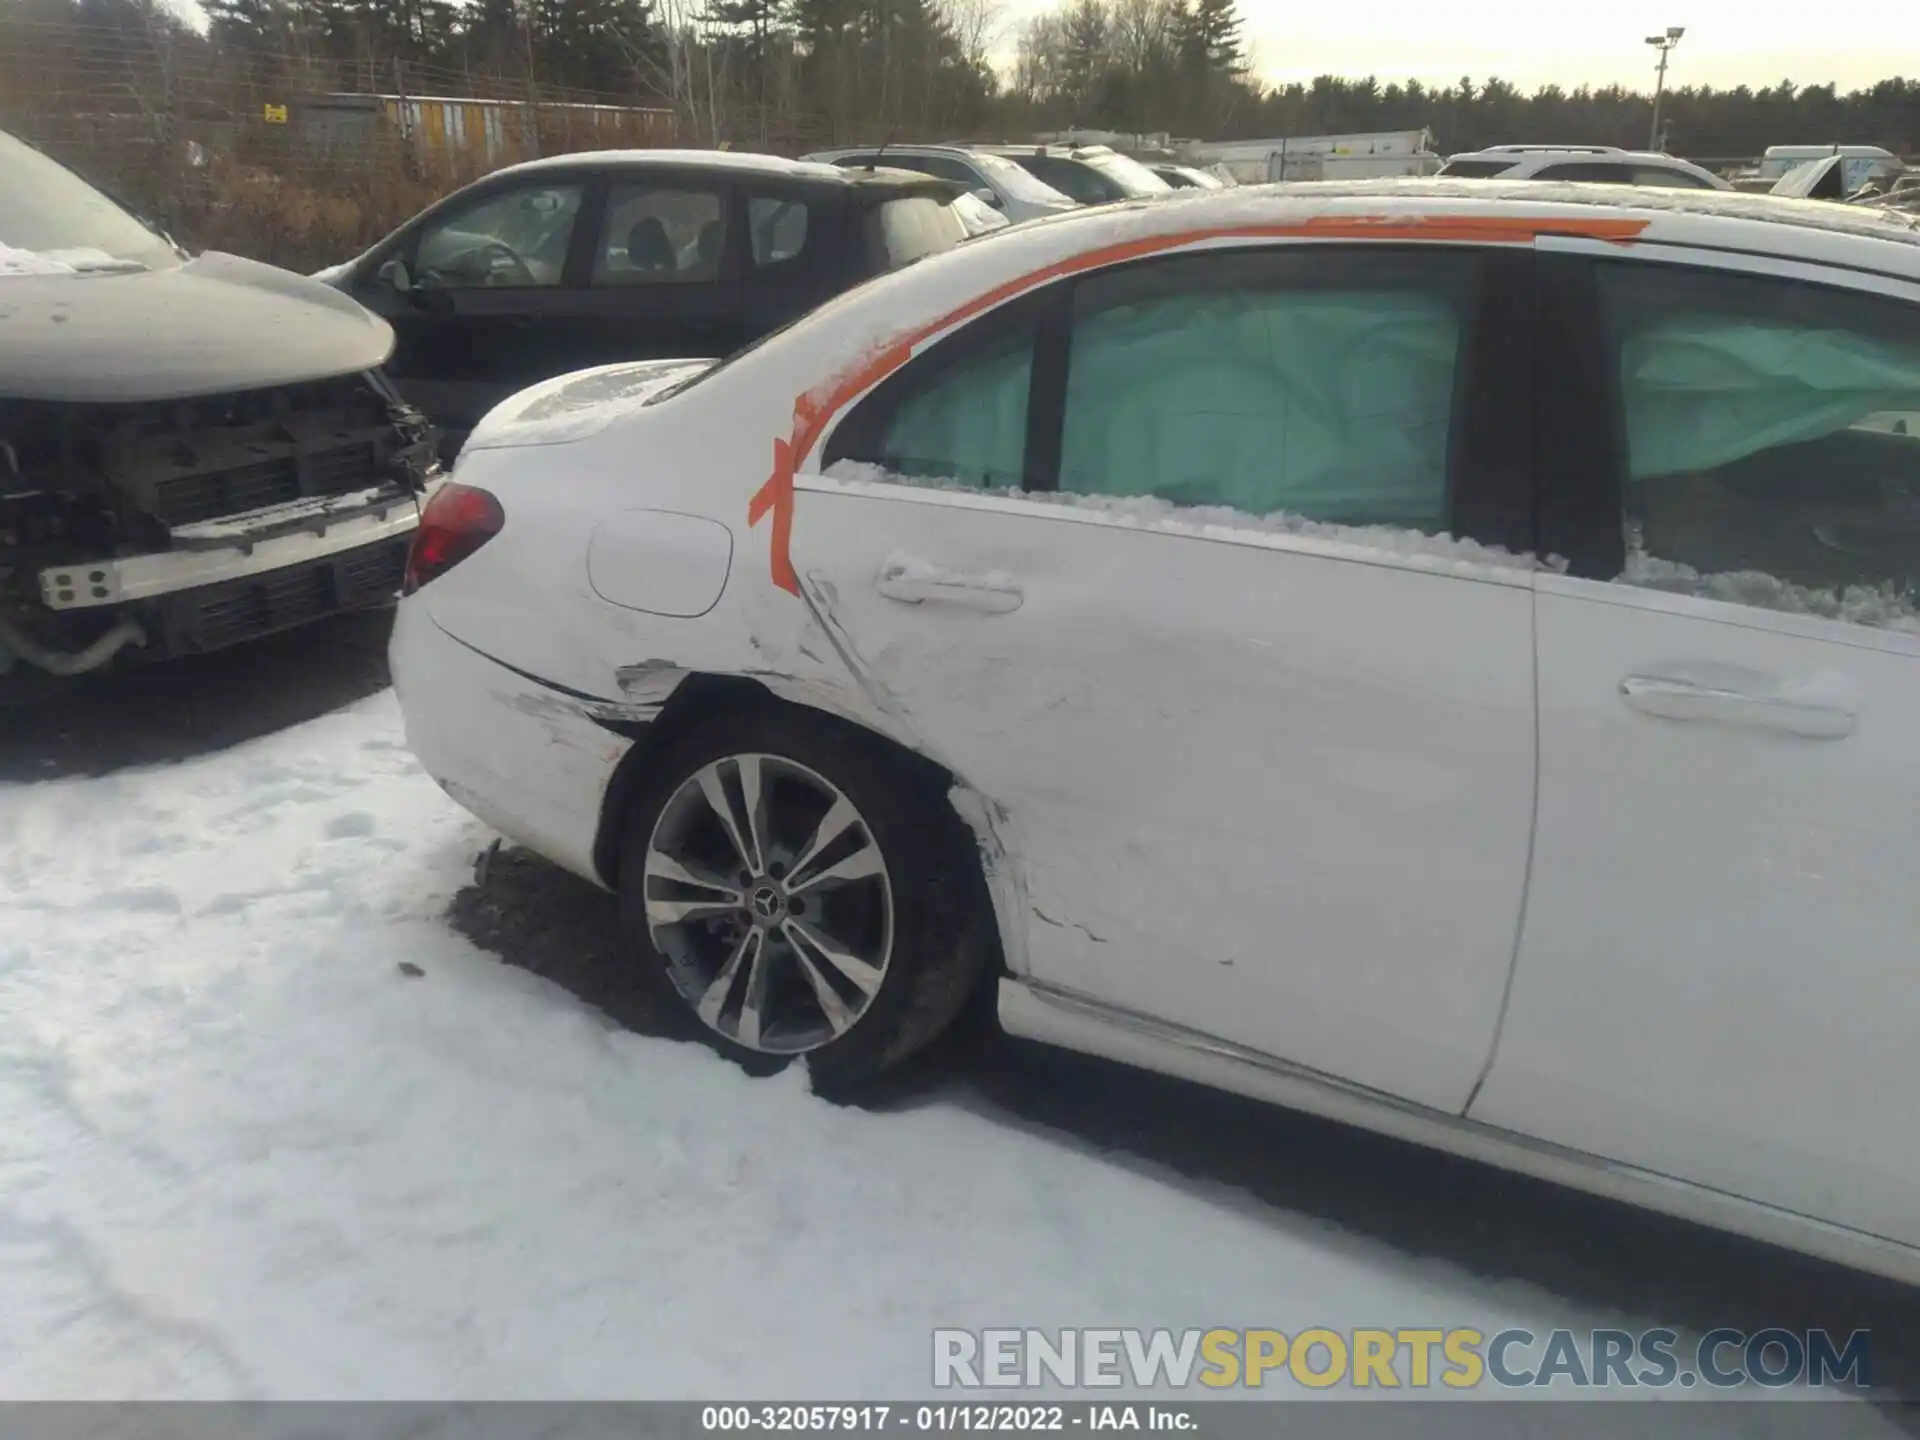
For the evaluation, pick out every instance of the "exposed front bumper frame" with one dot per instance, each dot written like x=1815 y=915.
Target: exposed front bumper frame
x=256 y=543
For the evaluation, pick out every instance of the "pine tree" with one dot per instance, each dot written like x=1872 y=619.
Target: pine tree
x=1207 y=34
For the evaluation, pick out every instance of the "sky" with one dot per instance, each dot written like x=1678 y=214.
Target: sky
x=1529 y=44
x=1728 y=42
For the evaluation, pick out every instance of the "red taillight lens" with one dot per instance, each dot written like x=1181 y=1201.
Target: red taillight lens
x=458 y=520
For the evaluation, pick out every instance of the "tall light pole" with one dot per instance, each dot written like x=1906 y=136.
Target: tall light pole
x=1662 y=43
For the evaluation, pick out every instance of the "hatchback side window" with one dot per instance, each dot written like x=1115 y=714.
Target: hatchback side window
x=660 y=235
x=517 y=238
x=778 y=228
x=1321 y=384
x=1770 y=435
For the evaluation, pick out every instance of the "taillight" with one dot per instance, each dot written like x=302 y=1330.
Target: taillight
x=458 y=520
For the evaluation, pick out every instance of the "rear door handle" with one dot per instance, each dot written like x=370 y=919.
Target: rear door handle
x=913 y=581
x=1674 y=697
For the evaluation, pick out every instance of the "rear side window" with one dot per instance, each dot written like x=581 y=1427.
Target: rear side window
x=958 y=413
x=1476 y=169
x=1770 y=434
x=902 y=231
x=1319 y=385
x=657 y=235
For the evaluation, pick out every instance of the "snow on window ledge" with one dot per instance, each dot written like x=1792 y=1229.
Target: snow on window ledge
x=1881 y=607
x=1441 y=553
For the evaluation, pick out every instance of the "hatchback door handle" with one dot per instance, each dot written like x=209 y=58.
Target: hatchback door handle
x=913 y=581
x=1674 y=697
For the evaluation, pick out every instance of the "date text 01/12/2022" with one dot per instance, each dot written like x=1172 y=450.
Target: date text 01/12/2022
x=944 y=1419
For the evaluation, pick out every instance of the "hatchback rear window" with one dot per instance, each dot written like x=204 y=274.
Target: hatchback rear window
x=903 y=231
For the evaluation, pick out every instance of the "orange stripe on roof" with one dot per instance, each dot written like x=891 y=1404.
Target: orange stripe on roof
x=812 y=410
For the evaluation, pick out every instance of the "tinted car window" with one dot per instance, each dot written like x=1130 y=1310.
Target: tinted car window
x=945 y=166
x=1130 y=175
x=1476 y=169
x=1593 y=173
x=656 y=234
x=517 y=237
x=1770 y=432
x=1676 y=179
x=1073 y=179
x=1270 y=382
x=45 y=207
x=778 y=228
x=1018 y=183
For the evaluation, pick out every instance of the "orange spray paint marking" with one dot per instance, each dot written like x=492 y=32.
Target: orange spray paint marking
x=816 y=407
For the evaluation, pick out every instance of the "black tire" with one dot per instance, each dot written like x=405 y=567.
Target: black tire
x=943 y=929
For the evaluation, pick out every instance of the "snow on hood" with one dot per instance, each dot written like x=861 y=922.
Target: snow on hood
x=572 y=407
x=216 y=324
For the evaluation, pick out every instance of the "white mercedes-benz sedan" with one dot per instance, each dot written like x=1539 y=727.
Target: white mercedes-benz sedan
x=1440 y=655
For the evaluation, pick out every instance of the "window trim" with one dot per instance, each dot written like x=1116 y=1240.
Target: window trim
x=1491 y=450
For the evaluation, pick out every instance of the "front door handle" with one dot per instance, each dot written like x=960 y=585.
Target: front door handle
x=1783 y=709
x=913 y=581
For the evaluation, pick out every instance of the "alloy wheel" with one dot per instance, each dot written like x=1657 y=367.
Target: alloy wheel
x=770 y=900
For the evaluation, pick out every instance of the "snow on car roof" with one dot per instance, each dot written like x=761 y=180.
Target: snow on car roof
x=709 y=159
x=1868 y=222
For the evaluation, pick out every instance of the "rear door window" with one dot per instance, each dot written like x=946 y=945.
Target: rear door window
x=1476 y=169
x=1770 y=437
x=661 y=234
x=1321 y=384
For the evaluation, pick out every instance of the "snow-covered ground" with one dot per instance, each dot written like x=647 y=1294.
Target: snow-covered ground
x=245 y=1153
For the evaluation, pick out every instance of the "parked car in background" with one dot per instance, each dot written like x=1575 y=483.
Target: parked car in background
x=1189 y=177
x=1140 y=611
x=1597 y=164
x=193 y=452
x=580 y=260
x=993 y=179
x=1859 y=163
x=1088 y=174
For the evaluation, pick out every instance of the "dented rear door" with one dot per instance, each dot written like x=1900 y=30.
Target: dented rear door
x=1267 y=780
